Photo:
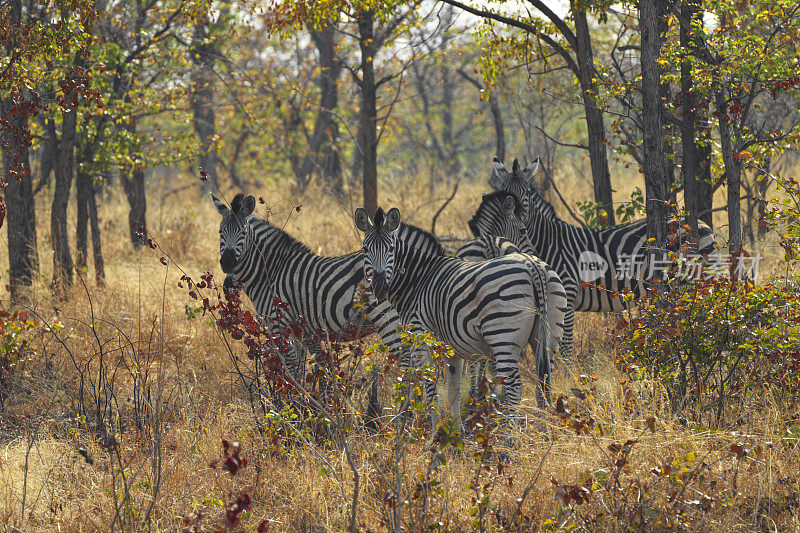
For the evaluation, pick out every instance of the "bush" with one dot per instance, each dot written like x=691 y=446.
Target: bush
x=714 y=345
x=15 y=332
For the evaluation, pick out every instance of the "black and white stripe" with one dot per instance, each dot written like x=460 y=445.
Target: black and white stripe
x=564 y=246
x=480 y=309
x=316 y=293
x=553 y=310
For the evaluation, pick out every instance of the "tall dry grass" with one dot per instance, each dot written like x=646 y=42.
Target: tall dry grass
x=171 y=397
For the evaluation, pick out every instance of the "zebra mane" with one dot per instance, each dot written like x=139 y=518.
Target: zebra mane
x=378 y=218
x=282 y=239
x=537 y=200
x=427 y=238
x=494 y=201
x=545 y=208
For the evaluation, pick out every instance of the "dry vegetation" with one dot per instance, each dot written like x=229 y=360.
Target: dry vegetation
x=171 y=397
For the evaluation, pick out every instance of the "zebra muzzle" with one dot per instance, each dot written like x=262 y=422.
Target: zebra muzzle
x=227 y=261
x=380 y=288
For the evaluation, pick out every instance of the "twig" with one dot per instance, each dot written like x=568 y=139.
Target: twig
x=439 y=212
x=532 y=483
x=563 y=201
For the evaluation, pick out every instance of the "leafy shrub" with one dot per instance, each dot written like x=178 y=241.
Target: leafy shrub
x=712 y=345
x=15 y=332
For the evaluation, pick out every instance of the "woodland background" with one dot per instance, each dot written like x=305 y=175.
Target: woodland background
x=123 y=390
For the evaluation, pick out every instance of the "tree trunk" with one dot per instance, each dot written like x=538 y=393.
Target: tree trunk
x=202 y=103
x=82 y=180
x=23 y=257
x=732 y=176
x=133 y=183
x=499 y=128
x=595 y=124
x=323 y=156
x=368 y=114
x=762 y=186
x=86 y=198
x=690 y=164
x=705 y=189
x=64 y=171
x=654 y=168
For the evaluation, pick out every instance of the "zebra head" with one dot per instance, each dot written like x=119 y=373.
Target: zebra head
x=518 y=182
x=501 y=214
x=234 y=230
x=380 y=243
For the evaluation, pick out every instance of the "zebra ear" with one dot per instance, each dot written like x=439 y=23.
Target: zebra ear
x=499 y=173
x=248 y=205
x=221 y=207
x=531 y=169
x=509 y=207
x=362 y=219
x=392 y=220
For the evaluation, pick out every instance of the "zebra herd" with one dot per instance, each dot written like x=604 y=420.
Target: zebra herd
x=518 y=282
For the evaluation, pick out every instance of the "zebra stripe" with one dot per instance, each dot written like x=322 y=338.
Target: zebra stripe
x=315 y=292
x=561 y=245
x=485 y=308
x=553 y=309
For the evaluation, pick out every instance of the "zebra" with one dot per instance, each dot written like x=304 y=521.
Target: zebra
x=486 y=308
x=489 y=246
x=314 y=291
x=587 y=260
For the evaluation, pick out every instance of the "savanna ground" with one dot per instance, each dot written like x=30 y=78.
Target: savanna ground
x=144 y=449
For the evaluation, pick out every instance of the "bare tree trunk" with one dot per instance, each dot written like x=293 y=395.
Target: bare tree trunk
x=762 y=185
x=705 y=189
x=323 y=156
x=133 y=183
x=23 y=256
x=368 y=114
x=64 y=171
x=48 y=153
x=202 y=103
x=654 y=168
x=595 y=124
x=499 y=128
x=690 y=164
x=82 y=220
x=86 y=198
x=732 y=176
x=97 y=249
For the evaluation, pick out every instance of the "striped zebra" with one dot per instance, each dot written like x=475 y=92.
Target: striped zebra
x=315 y=293
x=594 y=264
x=491 y=245
x=484 y=308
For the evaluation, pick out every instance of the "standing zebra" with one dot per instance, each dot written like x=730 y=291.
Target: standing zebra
x=583 y=257
x=499 y=217
x=484 y=308
x=316 y=292
x=498 y=230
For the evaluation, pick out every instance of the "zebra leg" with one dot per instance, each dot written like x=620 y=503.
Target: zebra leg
x=455 y=369
x=508 y=372
x=296 y=361
x=314 y=346
x=566 y=339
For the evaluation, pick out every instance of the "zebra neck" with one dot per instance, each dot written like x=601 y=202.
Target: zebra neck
x=271 y=251
x=548 y=232
x=417 y=254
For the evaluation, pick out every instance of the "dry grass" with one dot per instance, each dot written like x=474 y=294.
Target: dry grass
x=140 y=317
